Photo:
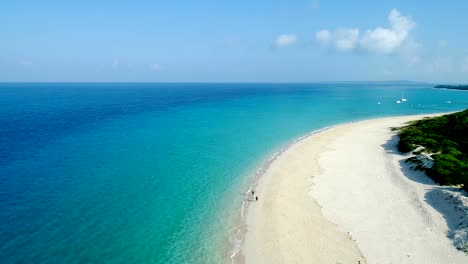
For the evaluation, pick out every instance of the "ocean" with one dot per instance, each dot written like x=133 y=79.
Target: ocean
x=154 y=173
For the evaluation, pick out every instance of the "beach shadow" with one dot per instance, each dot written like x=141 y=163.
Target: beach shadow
x=441 y=198
x=438 y=198
x=411 y=173
x=415 y=175
x=391 y=145
x=444 y=200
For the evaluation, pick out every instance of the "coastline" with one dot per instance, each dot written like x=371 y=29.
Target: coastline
x=298 y=219
x=239 y=230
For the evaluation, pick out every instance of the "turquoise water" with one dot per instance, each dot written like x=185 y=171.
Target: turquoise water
x=152 y=173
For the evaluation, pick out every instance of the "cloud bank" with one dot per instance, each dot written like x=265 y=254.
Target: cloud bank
x=286 y=40
x=378 y=40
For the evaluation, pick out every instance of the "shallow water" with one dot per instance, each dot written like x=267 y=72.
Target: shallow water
x=154 y=173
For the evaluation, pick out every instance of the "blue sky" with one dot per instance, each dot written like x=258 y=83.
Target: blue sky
x=233 y=41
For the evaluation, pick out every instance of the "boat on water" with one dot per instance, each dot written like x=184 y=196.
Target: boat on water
x=402 y=99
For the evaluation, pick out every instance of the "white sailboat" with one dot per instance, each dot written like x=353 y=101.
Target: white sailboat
x=403 y=99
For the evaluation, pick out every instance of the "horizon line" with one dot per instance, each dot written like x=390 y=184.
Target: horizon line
x=219 y=82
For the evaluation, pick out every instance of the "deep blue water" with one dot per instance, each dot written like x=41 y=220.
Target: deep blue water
x=150 y=173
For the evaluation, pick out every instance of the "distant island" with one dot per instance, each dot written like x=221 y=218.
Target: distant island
x=440 y=147
x=454 y=87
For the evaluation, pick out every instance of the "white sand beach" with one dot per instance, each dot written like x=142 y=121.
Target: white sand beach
x=345 y=196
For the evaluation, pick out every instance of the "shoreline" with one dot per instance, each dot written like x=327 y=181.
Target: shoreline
x=237 y=239
x=290 y=223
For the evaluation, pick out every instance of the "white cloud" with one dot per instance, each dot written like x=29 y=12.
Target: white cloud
x=155 y=67
x=379 y=40
x=387 y=40
x=346 y=39
x=286 y=40
x=323 y=36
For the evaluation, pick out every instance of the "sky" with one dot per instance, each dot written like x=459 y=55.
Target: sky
x=233 y=41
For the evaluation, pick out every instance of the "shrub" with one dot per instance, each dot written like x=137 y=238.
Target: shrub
x=448 y=137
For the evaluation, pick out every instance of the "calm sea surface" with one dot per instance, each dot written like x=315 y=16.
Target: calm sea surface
x=152 y=173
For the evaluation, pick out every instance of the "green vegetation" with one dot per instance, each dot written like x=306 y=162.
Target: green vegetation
x=455 y=87
x=446 y=137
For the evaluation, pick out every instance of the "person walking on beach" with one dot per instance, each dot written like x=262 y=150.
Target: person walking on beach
x=256 y=198
x=253 y=192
